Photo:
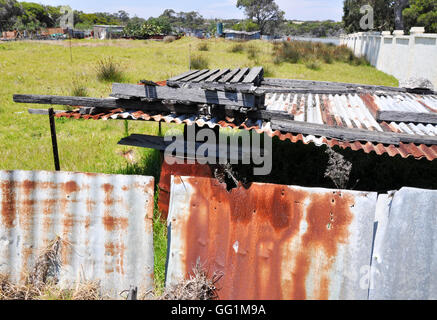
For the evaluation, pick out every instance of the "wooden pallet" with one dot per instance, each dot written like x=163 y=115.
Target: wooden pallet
x=244 y=76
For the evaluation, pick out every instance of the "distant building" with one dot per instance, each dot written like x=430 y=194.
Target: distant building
x=103 y=32
x=242 y=35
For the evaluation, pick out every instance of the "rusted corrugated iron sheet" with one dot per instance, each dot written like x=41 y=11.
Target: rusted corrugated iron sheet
x=104 y=221
x=192 y=170
x=272 y=241
x=404 y=263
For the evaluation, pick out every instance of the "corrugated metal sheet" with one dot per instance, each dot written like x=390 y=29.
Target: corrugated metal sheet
x=104 y=221
x=272 y=241
x=404 y=262
x=403 y=150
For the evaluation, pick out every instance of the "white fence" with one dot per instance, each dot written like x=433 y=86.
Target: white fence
x=403 y=56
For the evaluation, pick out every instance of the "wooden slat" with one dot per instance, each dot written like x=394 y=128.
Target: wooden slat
x=254 y=76
x=105 y=103
x=159 y=143
x=43 y=112
x=193 y=95
x=398 y=116
x=206 y=75
x=229 y=76
x=184 y=75
x=347 y=134
x=239 y=75
x=217 y=75
x=195 y=75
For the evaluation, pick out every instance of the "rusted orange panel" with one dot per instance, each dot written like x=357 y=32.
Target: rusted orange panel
x=272 y=241
x=194 y=170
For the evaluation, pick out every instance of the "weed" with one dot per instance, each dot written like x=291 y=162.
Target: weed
x=199 y=62
x=203 y=47
x=109 y=71
x=237 y=48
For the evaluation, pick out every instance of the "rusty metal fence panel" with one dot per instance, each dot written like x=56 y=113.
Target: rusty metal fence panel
x=272 y=241
x=404 y=263
x=104 y=222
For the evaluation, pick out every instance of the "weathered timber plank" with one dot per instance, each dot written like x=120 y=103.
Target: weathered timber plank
x=184 y=75
x=206 y=75
x=193 y=95
x=254 y=76
x=397 y=116
x=347 y=134
x=43 y=112
x=322 y=85
x=239 y=75
x=229 y=76
x=106 y=103
x=217 y=75
x=158 y=143
x=195 y=75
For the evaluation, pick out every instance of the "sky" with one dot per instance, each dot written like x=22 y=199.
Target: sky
x=294 y=9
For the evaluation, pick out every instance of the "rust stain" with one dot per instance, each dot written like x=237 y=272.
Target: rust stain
x=112 y=223
x=117 y=251
x=8 y=203
x=70 y=187
x=246 y=235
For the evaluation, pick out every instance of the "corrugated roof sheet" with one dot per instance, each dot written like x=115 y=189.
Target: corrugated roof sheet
x=104 y=221
x=354 y=110
x=272 y=241
x=404 y=263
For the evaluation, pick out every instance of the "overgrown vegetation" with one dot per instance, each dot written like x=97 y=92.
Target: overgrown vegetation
x=199 y=62
x=311 y=53
x=109 y=71
x=203 y=46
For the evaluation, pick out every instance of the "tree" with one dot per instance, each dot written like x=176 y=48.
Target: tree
x=421 y=13
x=399 y=6
x=265 y=13
x=9 y=11
x=123 y=16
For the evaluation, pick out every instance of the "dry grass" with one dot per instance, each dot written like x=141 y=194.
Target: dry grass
x=338 y=169
x=42 y=283
x=198 y=287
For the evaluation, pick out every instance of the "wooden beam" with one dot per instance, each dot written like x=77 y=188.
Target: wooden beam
x=217 y=75
x=184 y=75
x=240 y=75
x=193 y=95
x=229 y=76
x=255 y=75
x=104 y=103
x=415 y=117
x=206 y=75
x=348 y=134
x=43 y=112
x=159 y=143
x=195 y=75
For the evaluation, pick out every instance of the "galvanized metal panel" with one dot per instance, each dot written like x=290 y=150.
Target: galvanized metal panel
x=104 y=221
x=404 y=262
x=272 y=241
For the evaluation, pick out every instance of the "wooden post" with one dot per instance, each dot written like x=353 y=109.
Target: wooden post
x=54 y=140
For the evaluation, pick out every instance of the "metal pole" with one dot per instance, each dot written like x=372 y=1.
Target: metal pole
x=54 y=140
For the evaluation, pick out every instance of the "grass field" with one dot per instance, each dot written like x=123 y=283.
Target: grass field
x=91 y=146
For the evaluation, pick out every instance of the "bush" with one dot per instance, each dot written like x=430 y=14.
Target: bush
x=199 y=62
x=237 y=48
x=109 y=71
x=300 y=51
x=203 y=47
x=313 y=64
x=252 y=52
x=169 y=39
